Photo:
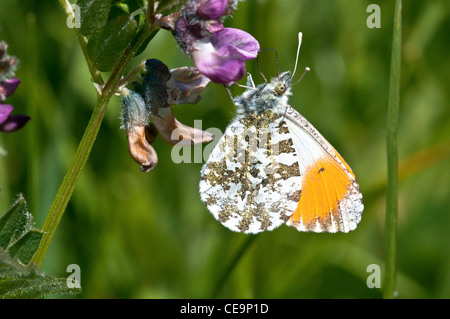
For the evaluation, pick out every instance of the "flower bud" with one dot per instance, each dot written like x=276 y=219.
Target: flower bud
x=212 y=9
x=9 y=122
x=7 y=87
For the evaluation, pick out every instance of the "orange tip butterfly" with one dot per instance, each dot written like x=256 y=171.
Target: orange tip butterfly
x=272 y=167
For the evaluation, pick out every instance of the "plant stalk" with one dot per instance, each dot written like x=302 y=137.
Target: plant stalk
x=389 y=287
x=233 y=263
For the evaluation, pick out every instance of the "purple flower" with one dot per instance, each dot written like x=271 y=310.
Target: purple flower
x=5 y=110
x=11 y=123
x=219 y=53
x=221 y=57
x=212 y=9
x=7 y=87
x=199 y=18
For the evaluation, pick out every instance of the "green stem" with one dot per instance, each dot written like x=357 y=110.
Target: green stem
x=68 y=185
x=389 y=290
x=133 y=75
x=95 y=74
x=84 y=148
x=229 y=269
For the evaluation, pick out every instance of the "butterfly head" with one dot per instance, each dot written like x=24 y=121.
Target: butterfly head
x=269 y=94
x=283 y=83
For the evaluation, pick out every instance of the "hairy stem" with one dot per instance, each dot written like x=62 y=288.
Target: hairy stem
x=392 y=158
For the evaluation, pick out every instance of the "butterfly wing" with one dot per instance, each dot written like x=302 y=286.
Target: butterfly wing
x=330 y=198
x=251 y=181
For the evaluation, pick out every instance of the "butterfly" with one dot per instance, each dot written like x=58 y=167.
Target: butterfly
x=272 y=167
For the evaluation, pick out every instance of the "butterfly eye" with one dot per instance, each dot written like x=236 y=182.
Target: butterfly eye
x=280 y=88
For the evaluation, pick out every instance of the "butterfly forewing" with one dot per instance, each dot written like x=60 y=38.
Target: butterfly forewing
x=330 y=199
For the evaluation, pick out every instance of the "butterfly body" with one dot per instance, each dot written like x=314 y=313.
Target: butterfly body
x=272 y=167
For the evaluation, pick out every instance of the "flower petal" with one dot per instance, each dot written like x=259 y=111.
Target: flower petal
x=186 y=85
x=174 y=132
x=5 y=110
x=212 y=9
x=246 y=46
x=14 y=123
x=140 y=149
x=214 y=26
x=235 y=53
x=8 y=86
x=218 y=69
x=221 y=57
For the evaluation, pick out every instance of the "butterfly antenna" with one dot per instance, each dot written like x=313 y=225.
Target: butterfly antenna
x=304 y=73
x=276 y=59
x=259 y=67
x=300 y=35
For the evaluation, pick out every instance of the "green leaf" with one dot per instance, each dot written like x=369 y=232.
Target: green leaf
x=25 y=281
x=106 y=45
x=166 y=7
x=94 y=14
x=146 y=42
x=18 y=236
x=26 y=246
x=14 y=223
x=128 y=6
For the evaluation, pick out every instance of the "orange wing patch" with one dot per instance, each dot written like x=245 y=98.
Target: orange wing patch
x=324 y=186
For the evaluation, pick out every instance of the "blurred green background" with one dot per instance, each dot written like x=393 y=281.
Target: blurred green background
x=148 y=235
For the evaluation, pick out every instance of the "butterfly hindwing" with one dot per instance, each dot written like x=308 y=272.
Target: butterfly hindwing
x=251 y=181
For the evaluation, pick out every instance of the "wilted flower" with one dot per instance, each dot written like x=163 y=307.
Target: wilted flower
x=152 y=100
x=218 y=52
x=135 y=119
